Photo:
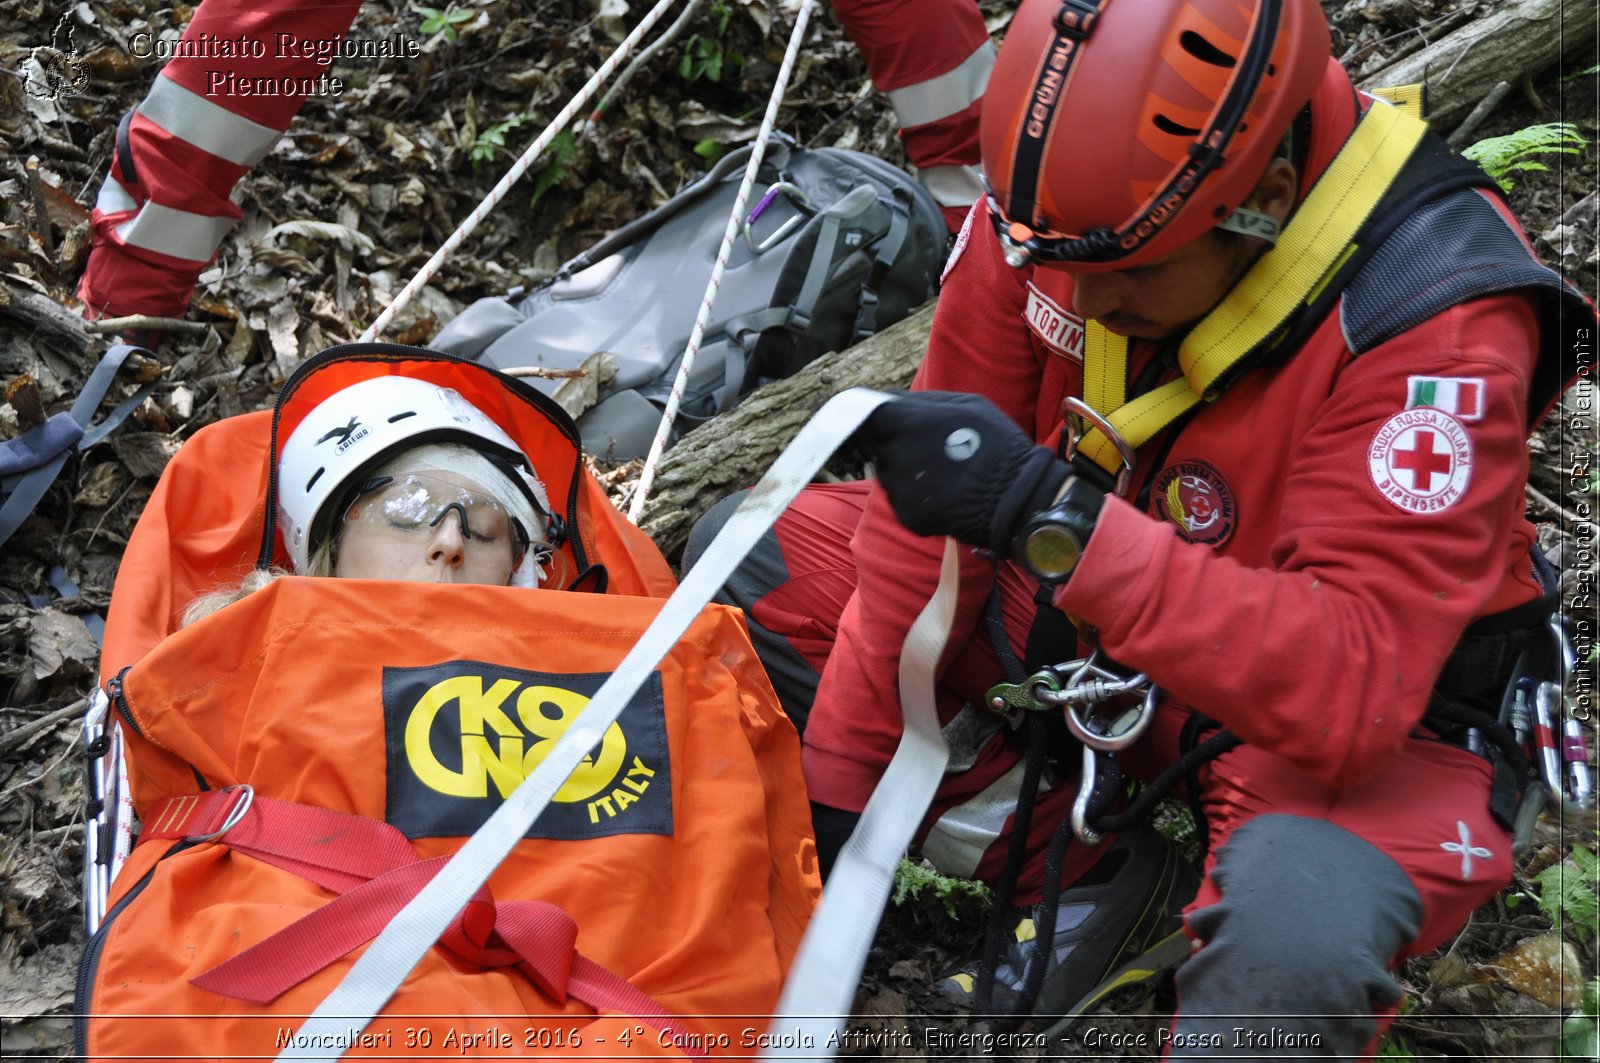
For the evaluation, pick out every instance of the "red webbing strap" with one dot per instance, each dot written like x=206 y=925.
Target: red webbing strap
x=376 y=873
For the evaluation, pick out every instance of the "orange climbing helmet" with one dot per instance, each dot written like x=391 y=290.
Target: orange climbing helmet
x=1115 y=132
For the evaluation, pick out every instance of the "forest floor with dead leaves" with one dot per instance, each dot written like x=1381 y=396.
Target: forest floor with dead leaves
x=359 y=194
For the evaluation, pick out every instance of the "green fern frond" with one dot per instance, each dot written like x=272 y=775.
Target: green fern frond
x=1567 y=893
x=1502 y=156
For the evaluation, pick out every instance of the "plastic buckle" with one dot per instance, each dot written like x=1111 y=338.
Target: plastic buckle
x=1076 y=18
x=1075 y=413
x=235 y=814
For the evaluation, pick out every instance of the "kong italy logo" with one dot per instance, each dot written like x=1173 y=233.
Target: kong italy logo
x=462 y=736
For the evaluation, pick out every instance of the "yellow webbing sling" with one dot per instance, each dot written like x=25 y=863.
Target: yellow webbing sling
x=1318 y=240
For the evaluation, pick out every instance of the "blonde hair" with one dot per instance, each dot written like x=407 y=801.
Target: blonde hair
x=319 y=563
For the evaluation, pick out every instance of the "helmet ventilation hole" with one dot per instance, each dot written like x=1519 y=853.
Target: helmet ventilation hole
x=402 y=416
x=1204 y=50
x=314 y=478
x=1167 y=125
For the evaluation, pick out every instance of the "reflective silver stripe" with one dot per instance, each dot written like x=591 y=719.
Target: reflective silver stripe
x=945 y=95
x=175 y=232
x=208 y=126
x=113 y=198
x=952 y=186
x=956 y=842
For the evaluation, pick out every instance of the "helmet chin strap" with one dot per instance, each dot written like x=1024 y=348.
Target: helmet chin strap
x=1247 y=222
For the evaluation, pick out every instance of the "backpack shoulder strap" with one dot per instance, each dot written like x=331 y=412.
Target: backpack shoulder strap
x=36 y=456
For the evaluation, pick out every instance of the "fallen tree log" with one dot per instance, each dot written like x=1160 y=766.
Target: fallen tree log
x=731 y=451
x=1520 y=36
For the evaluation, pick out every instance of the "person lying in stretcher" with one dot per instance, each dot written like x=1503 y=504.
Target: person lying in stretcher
x=305 y=752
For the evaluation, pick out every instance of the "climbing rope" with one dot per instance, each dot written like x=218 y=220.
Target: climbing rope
x=670 y=413
x=513 y=175
x=587 y=127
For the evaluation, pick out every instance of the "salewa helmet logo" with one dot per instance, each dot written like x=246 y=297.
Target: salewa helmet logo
x=347 y=435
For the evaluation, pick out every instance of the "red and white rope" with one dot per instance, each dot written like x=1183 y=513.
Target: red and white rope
x=648 y=475
x=520 y=167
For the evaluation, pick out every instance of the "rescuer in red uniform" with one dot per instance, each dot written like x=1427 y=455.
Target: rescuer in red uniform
x=1321 y=341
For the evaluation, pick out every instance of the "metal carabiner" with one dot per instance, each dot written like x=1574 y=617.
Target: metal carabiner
x=796 y=195
x=1080 y=804
x=1074 y=412
x=1123 y=731
x=1576 y=784
x=1564 y=651
x=1094 y=684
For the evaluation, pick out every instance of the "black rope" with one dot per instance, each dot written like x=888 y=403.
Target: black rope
x=999 y=928
x=1044 y=925
x=1490 y=728
x=1157 y=791
x=995 y=930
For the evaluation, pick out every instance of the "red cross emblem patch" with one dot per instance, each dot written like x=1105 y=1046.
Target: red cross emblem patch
x=1194 y=496
x=1421 y=460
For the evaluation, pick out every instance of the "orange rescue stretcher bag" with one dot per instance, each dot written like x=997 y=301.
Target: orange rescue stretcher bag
x=304 y=760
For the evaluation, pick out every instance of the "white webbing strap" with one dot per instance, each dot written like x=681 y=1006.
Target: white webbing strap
x=414 y=929
x=816 y=997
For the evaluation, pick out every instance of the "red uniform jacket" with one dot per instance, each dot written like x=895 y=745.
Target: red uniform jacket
x=1311 y=549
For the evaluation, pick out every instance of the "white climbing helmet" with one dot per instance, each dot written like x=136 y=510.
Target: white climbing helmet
x=355 y=427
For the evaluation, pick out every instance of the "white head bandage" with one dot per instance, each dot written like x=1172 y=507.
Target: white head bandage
x=470 y=463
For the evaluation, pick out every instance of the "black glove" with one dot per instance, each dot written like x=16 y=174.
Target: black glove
x=954 y=464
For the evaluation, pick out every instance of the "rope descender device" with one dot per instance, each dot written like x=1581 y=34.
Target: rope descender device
x=1088 y=687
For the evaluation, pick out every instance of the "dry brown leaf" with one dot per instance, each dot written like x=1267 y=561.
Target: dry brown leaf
x=1545 y=968
x=282 y=322
x=23 y=395
x=322 y=231
x=100 y=486
x=144 y=453
x=60 y=643
x=61 y=209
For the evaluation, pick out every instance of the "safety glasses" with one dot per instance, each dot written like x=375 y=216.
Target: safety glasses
x=414 y=505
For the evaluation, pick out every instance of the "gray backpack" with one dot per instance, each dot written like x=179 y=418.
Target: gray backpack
x=836 y=245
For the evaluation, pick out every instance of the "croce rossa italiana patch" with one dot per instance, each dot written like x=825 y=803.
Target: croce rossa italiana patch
x=1421 y=460
x=461 y=736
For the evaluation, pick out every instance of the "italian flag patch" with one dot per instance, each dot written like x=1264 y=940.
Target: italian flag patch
x=1460 y=396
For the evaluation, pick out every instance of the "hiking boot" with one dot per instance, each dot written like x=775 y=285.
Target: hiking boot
x=1120 y=924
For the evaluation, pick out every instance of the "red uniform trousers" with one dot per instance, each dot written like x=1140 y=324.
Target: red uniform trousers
x=932 y=58
x=164 y=208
